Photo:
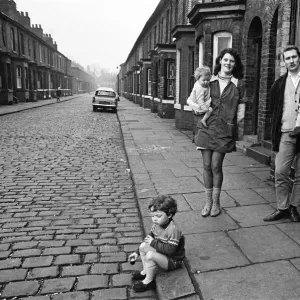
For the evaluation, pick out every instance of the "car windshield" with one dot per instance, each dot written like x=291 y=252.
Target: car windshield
x=105 y=93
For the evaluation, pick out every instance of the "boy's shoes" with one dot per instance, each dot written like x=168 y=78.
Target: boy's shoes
x=138 y=276
x=142 y=287
x=295 y=132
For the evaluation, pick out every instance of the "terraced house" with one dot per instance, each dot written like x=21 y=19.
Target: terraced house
x=31 y=67
x=180 y=35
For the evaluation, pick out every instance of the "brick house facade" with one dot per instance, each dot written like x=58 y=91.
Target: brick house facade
x=31 y=67
x=200 y=29
x=82 y=82
x=148 y=76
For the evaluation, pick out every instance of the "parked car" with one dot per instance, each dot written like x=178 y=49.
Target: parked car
x=105 y=98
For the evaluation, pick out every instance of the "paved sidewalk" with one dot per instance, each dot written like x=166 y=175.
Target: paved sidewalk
x=235 y=256
x=10 y=109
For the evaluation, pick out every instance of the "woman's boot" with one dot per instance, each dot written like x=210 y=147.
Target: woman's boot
x=206 y=210
x=216 y=210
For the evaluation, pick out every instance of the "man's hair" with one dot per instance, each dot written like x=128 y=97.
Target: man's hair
x=164 y=203
x=202 y=70
x=289 y=48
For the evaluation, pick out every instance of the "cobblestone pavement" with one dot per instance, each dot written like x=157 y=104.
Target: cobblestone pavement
x=69 y=215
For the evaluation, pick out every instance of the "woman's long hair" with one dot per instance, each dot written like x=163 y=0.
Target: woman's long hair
x=238 y=70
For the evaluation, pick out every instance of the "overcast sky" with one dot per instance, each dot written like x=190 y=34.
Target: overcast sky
x=91 y=31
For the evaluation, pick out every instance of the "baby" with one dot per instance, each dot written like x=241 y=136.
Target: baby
x=199 y=98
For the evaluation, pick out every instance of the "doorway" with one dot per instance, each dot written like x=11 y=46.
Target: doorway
x=253 y=75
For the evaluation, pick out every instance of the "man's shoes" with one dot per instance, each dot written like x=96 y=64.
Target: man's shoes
x=138 y=276
x=142 y=287
x=295 y=132
x=276 y=215
x=294 y=215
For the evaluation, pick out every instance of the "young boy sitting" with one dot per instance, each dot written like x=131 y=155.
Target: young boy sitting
x=163 y=247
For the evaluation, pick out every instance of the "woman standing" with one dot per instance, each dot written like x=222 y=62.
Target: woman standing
x=220 y=135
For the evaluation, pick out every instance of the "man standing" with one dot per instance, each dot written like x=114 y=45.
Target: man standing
x=285 y=101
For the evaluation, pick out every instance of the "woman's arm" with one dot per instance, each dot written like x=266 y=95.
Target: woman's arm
x=242 y=101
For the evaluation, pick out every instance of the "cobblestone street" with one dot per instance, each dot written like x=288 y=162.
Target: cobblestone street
x=69 y=215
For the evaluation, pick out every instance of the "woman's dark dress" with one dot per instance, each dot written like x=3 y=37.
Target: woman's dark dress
x=221 y=133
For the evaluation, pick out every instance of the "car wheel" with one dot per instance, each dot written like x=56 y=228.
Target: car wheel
x=94 y=108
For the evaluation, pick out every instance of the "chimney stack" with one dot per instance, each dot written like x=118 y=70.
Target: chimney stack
x=9 y=8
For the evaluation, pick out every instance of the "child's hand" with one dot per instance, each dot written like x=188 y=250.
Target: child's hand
x=148 y=239
x=133 y=257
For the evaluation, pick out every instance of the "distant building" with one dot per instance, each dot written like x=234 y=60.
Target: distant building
x=82 y=82
x=31 y=67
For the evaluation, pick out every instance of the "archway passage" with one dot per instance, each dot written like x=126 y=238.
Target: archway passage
x=267 y=116
x=252 y=79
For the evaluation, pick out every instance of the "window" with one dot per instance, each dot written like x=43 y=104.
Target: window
x=178 y=58
x=13 y=39
x=176 y=12
x=161 y=30
x=26 y=78
x=157 y=67
x=167 y=26
x=297 y=42
x=149 y=43
x=222 y=40
x=138 y=82
x=39 y=80
x=29 y=47
x=105 y=93
x=201 y=53
x=51 y=81
x=19 y=77
x=2 y=75
x=30 y=79
x=149 y=74
x=191 y=69
x=183 y=12
x=9 y=81
x=44 y=55
x=132 y=83
x=158 y=33
x=3 y=31
x=41 y=54
x=170 y=78
x=34 y=49
x=34 y=83
x=22 y=43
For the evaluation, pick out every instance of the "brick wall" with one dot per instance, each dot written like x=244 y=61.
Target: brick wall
x=185 y=43
x=165 y=110
x=275 y=28
x=162 y=69
x=184 y=119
